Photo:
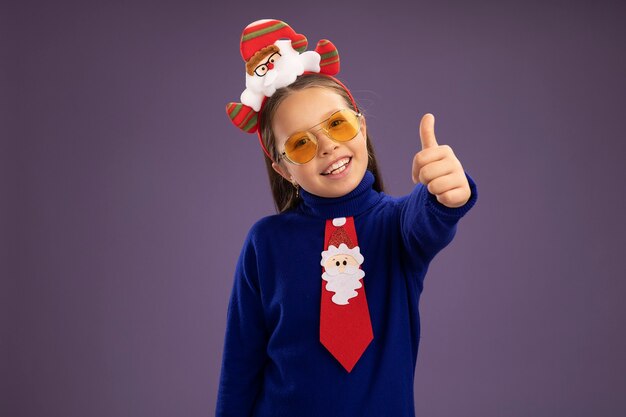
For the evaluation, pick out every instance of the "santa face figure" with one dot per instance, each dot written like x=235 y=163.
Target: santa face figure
x=278 y=68
x=342 y=272
x=268 y=63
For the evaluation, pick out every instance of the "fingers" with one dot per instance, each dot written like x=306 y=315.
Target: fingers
x=435 y=170
x=455 y=197
x=427 y=131
x=438 y=168
x=445 y=184
x=429 y=156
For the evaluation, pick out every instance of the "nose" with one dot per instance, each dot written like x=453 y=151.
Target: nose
x=325 y=144
x=270 y=65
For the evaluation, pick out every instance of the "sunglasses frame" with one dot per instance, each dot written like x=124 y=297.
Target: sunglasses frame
x=312 y=130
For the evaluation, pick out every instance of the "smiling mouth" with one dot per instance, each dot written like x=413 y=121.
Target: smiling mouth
x=338 y=167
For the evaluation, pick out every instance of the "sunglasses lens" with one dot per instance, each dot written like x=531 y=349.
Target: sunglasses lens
x=343 y=125
x=301 y=147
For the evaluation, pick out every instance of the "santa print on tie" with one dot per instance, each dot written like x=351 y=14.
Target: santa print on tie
x=345 y=326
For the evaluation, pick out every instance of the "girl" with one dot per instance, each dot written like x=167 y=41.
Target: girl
x=323 y=319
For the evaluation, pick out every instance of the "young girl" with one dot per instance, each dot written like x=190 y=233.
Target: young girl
x=323 y=318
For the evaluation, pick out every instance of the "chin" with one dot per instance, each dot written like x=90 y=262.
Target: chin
x=347 y=186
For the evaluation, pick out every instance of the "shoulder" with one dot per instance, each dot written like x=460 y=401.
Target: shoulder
x=394 y=203
x=270 y=225
x=270 y=235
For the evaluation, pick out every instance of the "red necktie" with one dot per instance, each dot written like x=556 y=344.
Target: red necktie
x=345 y=327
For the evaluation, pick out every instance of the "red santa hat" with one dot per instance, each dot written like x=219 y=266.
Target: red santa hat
x=257 y=35
x=339 y=235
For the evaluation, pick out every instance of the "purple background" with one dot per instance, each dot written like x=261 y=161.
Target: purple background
x=126 y=196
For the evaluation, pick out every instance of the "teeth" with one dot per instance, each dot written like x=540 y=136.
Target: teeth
x=338 y=164
x=343 y=168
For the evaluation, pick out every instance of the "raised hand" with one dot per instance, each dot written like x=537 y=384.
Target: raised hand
x=438 y=168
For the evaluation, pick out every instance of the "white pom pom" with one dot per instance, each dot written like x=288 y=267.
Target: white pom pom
x=339 y=221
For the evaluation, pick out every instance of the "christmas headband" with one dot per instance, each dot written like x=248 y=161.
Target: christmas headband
x=275 y=55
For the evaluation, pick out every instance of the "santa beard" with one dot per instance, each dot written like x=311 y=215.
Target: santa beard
x=343 y=284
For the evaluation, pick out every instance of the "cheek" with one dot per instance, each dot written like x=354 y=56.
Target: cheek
x=305 y=172
x=290 y=171
x=360 y=148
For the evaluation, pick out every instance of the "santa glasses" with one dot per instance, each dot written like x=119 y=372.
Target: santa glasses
x=263 y=68
x=342 y=126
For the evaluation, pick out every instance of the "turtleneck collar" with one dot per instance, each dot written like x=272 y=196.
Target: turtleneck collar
x=355 y=202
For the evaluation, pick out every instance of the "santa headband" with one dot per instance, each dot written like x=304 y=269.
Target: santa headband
x=275 y=56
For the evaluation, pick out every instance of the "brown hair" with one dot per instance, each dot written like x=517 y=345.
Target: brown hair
x=283 y=191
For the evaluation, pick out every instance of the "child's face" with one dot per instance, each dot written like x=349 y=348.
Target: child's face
x=302 y=110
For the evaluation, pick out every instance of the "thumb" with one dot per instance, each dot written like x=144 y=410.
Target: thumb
x=427 y=131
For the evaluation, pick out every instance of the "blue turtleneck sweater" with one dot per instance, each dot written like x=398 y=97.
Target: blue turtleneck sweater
x=274 y=363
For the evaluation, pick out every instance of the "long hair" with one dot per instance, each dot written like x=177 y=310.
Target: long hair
x=283 y=191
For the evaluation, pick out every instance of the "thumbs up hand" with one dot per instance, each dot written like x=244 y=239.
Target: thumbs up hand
x=438 y=168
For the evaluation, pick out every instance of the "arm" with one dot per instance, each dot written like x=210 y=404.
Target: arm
x=245 y=342
x=427 y=226
x=443 y=194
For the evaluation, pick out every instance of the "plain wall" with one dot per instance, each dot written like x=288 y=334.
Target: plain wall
x=127 y=193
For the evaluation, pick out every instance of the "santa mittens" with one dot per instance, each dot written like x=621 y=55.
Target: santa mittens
x=243 y=117
x=329 y=63
x=299 y=42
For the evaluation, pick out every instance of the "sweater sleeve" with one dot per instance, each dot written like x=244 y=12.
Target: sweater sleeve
x=245 y=342
x=427 y=226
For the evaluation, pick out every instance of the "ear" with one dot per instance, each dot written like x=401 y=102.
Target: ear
x=281 y=171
